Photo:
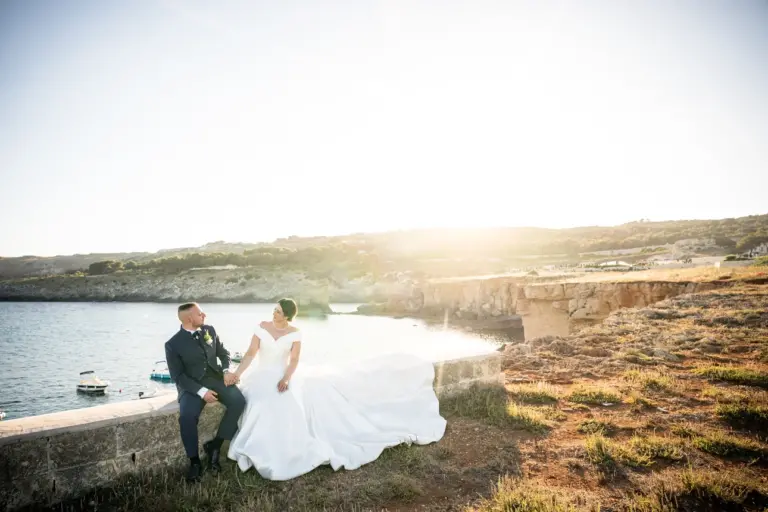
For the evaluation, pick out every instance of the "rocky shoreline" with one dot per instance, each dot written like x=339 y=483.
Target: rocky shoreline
x=305 y=310
x=245 y=286
x=241 y=285
x=513 y=306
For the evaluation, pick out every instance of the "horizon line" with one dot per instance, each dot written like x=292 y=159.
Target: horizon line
x=379 y=232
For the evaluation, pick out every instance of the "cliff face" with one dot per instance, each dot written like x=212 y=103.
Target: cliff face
x=240 y=285
x=544 y=308
x=559 y=309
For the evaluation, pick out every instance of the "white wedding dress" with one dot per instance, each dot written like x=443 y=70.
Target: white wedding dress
x=345 y=417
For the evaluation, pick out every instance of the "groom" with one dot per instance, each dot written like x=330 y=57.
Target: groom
x=191 y=356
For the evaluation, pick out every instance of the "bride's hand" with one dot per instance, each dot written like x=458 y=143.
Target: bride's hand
x=282 y=385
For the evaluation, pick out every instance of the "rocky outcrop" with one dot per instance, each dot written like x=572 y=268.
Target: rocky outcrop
x=204 y=286
x=566 y=307
x=191 y=285
x=210 y=285
x=545 y=308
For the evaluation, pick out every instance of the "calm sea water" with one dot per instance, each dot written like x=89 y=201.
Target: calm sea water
x=47 y=344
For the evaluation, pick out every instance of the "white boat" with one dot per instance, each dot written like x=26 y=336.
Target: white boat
x=2 y=415
x=90 y=384
x=147 y=394
x=153 y=392
x=160 y=372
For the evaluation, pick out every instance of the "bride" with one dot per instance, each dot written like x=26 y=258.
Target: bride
x=295 y=421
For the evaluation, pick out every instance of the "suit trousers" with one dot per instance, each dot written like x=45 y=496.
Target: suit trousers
x=191 y=405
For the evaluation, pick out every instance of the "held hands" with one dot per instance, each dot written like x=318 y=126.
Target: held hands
x=210 y=397
x=282 y=386
x=231 y=378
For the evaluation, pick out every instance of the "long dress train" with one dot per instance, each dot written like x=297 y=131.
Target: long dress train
x=344 y=418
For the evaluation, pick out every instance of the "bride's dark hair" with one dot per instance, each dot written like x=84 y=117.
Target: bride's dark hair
x=289 y=308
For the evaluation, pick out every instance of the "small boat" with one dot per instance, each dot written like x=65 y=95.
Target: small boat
x=2 y=415
x=148 y=394
x=237 y=357
x=90 y=384
x=161 y=372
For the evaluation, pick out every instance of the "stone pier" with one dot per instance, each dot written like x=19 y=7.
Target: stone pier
x=49 y=458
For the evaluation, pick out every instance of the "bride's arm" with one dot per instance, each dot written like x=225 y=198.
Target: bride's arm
x=292 y=364
x=248 y=357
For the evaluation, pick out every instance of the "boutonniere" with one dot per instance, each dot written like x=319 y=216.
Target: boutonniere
x=207 y=337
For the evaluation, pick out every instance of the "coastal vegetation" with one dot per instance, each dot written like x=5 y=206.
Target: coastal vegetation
x=443 y=252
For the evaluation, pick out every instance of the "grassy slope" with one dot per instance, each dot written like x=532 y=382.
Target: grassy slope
x=664 y=408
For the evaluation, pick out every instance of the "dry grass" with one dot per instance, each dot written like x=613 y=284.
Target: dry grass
x=653 y=380
x=492 y=405
x=512 y=495
x=735 y=395
x=723 y=443
x=539 y=393
x=608 y=454
x=656 y=447
x=703 y=490
x=746 y=416
x=594 y=395
x=640 y=403
x=730 y=446
x=684 y=429
x=591 y=426
x=734 y=375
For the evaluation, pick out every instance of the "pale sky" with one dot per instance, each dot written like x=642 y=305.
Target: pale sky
x=145 y=125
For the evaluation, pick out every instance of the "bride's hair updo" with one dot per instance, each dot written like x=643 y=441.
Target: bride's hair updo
x=289 y=308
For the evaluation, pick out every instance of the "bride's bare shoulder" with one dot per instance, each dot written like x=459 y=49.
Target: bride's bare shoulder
x=265 y=324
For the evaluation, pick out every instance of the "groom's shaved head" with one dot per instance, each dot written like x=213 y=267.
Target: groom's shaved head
x=188 y=305
x=191 y=315
x=185 y=309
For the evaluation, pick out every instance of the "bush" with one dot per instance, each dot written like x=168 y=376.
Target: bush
x=104 y=267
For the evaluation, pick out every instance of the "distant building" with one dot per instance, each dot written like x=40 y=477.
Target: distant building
x=216 y=267
x=760 y=250
x=615 y=263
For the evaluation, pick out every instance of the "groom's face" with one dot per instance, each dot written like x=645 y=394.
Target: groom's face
x=196 y=316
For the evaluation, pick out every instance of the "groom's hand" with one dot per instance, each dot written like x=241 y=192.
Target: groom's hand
x=210 y=397
x=230 y=378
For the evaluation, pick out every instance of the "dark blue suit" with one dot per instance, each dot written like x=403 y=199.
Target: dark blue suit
x=192 y=362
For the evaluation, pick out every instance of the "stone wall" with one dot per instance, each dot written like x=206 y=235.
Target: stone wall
x=45 y=459
x=458 y=374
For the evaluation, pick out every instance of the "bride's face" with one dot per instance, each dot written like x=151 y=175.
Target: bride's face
x=277 y=314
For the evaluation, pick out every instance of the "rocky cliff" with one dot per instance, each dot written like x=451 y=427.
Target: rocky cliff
x=543 y=308
x=236 y=285
x=558 y=309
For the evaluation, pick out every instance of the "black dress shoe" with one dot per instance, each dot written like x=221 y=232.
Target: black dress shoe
x=195 y=472
x=213 y=457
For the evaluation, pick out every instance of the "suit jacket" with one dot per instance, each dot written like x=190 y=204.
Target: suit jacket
x=190 y=355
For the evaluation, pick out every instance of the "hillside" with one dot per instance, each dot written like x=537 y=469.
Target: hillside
x=437 y=252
